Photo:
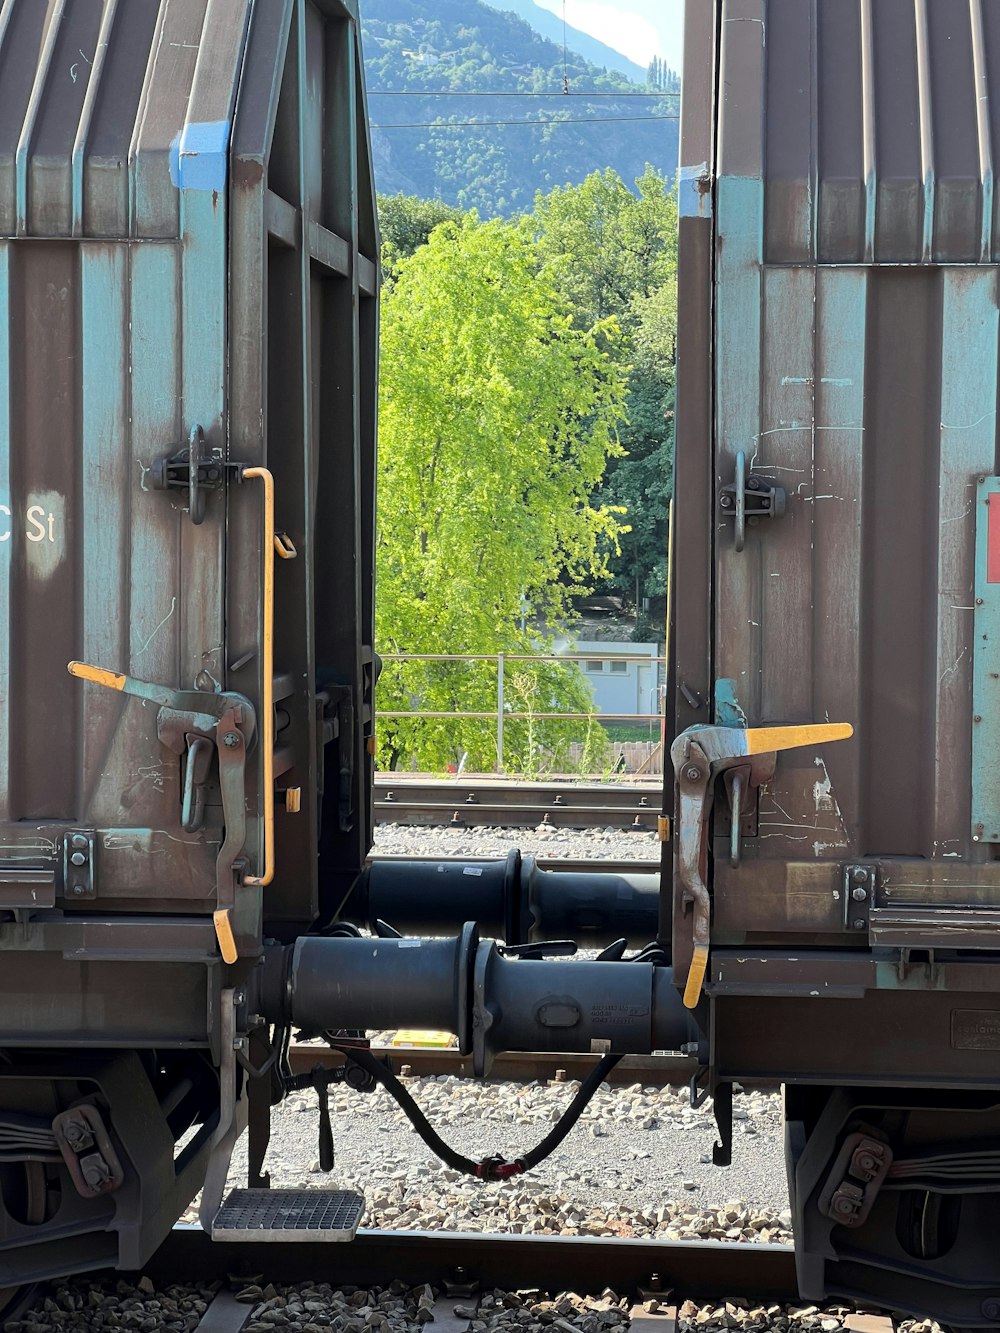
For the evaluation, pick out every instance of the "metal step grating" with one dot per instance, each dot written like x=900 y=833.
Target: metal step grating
x=289 y=1215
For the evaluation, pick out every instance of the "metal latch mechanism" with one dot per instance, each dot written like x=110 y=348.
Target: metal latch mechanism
x=193 y=722
x=748 y=498
x=194 y=469
x=700 y=755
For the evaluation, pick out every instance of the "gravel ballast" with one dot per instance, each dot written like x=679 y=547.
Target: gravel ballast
x=313 y=1307
x=638 y=1163
x=610 y=844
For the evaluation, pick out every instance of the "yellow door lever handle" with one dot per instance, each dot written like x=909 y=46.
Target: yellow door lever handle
x=761 y=740
x=111 y=680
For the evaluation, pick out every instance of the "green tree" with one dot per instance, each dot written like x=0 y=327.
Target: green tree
x=642 y=481
x=406 y=222
x=604 y=245
x=497 y=419
x=613 y=253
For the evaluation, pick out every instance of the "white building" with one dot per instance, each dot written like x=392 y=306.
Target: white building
x=620 y=686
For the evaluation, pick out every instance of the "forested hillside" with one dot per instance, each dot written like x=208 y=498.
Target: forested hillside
x=429 y=64
x=551 y=26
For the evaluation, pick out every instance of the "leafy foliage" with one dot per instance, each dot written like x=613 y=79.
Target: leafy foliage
x=613 y=253
x=425 y=48
x=406 y=223
x=660 y=75
x=497 y=418
x=606 y=246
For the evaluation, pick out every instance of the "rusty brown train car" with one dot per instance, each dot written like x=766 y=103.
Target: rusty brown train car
x=188 y=309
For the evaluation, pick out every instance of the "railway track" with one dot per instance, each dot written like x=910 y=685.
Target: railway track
x=678 y=1270
x=253 y=1285
x=517 y=1066
x=469 y=802
x=654 y=1278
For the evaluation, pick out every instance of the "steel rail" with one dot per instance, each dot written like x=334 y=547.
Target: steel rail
x=661 y=1071
x=582 y=1264
x=469 y=801
x=658 y=1071
x=16 y=1301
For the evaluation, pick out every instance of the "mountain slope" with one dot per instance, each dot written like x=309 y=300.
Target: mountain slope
x=429 y=65
x=548 y=25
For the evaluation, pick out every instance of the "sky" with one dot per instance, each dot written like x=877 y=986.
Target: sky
x=639 y=29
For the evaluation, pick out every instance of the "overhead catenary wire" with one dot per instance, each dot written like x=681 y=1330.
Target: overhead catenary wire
x=482 y=124
x=445 y=92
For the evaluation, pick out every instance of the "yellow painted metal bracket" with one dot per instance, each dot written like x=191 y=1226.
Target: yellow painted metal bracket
x=696 y=976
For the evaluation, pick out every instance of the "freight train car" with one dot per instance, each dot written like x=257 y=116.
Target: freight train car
x=188 y=274
x=188 y=298
x=838 y=560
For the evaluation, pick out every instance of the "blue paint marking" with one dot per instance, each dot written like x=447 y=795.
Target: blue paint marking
x=728 y=712
x=199 y=157
x=692 y=201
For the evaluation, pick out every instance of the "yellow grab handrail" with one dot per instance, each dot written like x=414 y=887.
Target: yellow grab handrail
x=267 y=702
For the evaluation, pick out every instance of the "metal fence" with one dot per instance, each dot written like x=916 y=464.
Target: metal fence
x=500 y=714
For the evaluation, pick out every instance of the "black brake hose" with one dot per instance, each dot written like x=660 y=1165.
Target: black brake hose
x=490 y=1168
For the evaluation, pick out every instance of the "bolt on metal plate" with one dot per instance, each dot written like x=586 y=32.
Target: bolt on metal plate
x=859 y=884
x=79 y=884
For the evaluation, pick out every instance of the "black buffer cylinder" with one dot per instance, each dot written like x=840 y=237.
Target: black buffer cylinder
x=513 y=899
x=492 y=1003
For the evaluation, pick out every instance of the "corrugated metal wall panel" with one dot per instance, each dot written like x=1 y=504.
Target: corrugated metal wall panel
x=6 y=564
x=107 y=486
x=966 y=451
x=855 y=339
x=867 y=124
x=114 y=125
x=105 y=104
x=46 y=580
x=877 y=413
x=179 y=194
x=838 y=523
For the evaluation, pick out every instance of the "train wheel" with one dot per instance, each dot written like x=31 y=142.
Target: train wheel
x=26 y=1193
x=927 y=1223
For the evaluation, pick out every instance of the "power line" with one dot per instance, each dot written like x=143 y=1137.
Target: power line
x=551 y=120
x=578 y=96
